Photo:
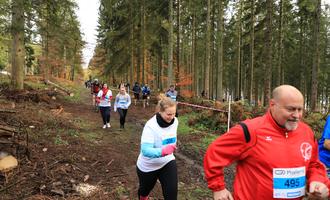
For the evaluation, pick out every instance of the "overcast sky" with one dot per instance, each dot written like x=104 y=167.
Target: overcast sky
x=88 y=15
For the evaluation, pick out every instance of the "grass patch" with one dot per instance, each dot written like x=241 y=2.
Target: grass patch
x=91 y=136
x=4 y=78
x=184 y=128
x=76 y=98
x=73 y=133
x=194 y=136
x=121 y=190
x=59 y=141
x=82 y=124
x=194 y=193
x=35 y=85
x=207 y=140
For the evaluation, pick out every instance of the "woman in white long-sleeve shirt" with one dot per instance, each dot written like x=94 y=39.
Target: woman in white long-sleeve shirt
x=156 y=159
x=122 y=102
x=104 y=97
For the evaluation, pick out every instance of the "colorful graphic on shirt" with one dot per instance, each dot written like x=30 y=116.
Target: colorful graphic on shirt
x=168 y=138
x=306 y=151
x=169 y=141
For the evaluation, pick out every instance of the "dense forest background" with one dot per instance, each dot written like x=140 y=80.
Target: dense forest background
x=40 y=37
x=223 y=48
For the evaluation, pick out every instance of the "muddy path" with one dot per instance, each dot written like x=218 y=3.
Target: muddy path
x=122 y=146
x=62 y=158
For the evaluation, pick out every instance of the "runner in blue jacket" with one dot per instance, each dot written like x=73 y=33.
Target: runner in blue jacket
x=324 y=146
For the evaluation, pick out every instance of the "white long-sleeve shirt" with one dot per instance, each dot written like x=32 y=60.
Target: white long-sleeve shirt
x=122 y=101
x=106 y=101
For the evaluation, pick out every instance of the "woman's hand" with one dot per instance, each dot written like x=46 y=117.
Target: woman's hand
x=168 y=149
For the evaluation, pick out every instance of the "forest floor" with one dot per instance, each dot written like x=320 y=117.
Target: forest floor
x=70 y=152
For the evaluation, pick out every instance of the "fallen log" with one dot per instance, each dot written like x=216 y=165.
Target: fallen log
x=7 y=128
x=59 y=87
x=4 y=133
x=6 y=142
x=7 y=111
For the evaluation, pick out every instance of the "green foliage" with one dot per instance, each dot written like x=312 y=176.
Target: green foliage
x=2 y=66
x=73 y=133
x=62 y=39
x=30 y=57
x=148 y=25
x=194 y=138
x=76 y=98
x=183 y=128
x=91 y=136
x=194 y=193
x=59 y=141
x=309 y=5
x=4 y=52
x=35 y=85
x=316 y=121
x=119 y=191
x=207 y=140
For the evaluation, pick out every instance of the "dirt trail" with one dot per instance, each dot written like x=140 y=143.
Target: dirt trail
x=122 y=146
x=72 y=148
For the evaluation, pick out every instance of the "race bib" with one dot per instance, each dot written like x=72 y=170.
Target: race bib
x=168 y=138
x=173 y=97
x=289 y=183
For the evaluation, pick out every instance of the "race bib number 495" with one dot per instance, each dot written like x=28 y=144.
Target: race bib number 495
x=289 y=183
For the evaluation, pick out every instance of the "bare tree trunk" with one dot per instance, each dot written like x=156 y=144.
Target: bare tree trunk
x=170 y=45
x=193 y=55
x=160 y=66
x=73 y=62
x=279 y=78
x=238 y=70
x=18 y=50
x=252 y=52
x=177 y=74
x=131 y=69
x=213 y=69
x=316 y=56
x=208 y=51
x=220 y=51
x=143 y=36
x=268 y=56
x=302 y=67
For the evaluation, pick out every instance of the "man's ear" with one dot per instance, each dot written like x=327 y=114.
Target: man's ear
x=272 y=102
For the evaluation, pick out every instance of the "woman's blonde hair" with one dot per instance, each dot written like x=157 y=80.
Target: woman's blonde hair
x=164 y=102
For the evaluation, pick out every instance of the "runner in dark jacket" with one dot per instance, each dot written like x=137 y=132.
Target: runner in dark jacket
x=145 y=95
x=136 y=90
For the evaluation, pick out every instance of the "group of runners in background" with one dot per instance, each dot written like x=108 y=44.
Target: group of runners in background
x=102 y=96
x=144 y=90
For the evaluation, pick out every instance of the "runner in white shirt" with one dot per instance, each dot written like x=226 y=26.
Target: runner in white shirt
x=122 y=102
x=104 y=97
x=156 y=159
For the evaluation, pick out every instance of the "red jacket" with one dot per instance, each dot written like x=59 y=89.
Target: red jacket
x=270 y=147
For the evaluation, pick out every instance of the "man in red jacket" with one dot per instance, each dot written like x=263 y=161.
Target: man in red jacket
x=277 y=155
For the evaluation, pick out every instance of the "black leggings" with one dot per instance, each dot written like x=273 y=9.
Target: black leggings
x=122 y=113
x=105 y=113
x=167 y=176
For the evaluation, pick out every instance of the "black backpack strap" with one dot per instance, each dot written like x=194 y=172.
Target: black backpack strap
x=246 y=132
